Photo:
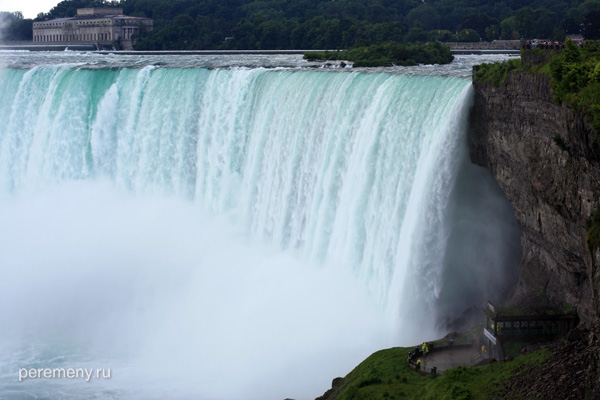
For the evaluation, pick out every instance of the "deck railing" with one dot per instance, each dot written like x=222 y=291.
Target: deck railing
x=415 y=355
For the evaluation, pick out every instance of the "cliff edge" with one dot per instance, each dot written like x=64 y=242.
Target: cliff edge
x=546 y=159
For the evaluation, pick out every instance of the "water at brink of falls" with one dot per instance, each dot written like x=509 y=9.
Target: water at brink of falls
x=208 y=228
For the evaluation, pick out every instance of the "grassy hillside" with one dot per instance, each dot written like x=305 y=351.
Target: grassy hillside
x=385 y=375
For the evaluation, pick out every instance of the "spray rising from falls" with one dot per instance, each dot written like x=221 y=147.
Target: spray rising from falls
x=276 y=209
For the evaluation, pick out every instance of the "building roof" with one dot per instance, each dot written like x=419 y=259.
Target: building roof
x=99 y=11
x=532 y=312
x=94 y=14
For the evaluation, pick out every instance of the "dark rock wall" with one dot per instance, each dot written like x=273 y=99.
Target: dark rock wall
x=545 y=159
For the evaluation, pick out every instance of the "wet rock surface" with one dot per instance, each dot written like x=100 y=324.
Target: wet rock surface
x=546 y=160
x=571 y=372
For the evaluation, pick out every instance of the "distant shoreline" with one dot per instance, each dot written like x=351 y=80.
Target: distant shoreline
x=92 y=48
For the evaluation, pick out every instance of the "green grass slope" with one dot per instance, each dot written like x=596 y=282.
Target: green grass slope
x=385 y=375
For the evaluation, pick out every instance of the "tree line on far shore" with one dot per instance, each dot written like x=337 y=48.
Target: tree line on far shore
x=338 y=24
x=14 y=27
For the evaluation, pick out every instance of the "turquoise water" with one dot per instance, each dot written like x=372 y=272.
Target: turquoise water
x=218 y=233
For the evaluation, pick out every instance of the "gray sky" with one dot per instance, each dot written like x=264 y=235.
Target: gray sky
x=29 y=8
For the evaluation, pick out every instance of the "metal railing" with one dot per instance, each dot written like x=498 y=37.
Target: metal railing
x=414 y=356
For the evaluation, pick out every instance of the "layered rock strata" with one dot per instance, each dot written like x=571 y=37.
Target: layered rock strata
x=545 y=158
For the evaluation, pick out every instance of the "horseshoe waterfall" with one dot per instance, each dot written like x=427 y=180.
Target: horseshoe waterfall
x=234 y=233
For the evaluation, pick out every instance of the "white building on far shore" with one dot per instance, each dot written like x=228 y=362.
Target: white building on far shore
x=99 y=26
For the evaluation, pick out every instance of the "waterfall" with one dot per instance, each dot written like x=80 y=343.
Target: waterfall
x=362 y=179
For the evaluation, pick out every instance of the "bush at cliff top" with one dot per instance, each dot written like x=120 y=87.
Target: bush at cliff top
x=388 y=54
x=575 y=73
x=496 y=72
x=576 y=79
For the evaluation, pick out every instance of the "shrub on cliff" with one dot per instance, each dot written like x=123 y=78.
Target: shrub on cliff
x=576 y=79
x=575 y=73
x=497 y=72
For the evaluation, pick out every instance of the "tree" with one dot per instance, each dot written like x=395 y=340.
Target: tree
x=510 y=29
x=425 y=16
x=526 y=22
x=273 y=35
x=68 y=8
x=14 y=27
x=591 y=26
x=492 y=33
x=442 y=35
x=478 y=21
x=545 y=23
x=244 y=37
x=376 y=13
x=314 y=24
x=572 y=22
x=468 y=35
x=20 y=29
x=416 y=35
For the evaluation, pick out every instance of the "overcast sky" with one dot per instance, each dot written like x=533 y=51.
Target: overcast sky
x=29 y=8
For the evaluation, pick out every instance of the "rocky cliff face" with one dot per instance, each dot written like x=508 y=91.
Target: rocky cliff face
x=546 y=160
